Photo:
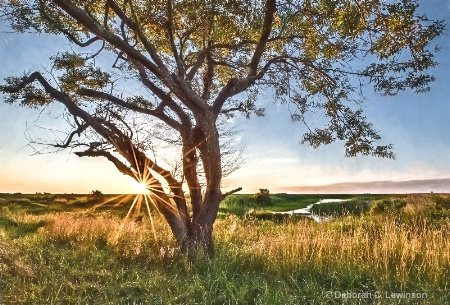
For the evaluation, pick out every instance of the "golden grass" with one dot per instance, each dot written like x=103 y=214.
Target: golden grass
x=371 y=245
x=299 y=256
x=130 y=238
x=378 y=245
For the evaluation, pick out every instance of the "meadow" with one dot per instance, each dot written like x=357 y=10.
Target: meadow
x=59 y=250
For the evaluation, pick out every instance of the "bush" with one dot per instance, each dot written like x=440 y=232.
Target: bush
x=97 y=193
x=263 y=197
x=387 y=206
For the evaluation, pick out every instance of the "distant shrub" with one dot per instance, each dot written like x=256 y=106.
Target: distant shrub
x=97 y=193
x=387 y=206
x=263 y=197
x=43 y=199
x=242 y=201
x=245 y=202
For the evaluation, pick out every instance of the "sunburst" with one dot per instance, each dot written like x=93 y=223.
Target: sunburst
x=148 y=190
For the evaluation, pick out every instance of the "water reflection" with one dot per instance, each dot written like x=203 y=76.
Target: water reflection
x=307 y=211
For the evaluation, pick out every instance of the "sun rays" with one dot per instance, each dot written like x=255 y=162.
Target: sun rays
x=149 y=192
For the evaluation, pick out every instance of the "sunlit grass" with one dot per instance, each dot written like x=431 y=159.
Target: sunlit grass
x=76 y=257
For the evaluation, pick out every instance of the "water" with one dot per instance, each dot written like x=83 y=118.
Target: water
x=307 y=211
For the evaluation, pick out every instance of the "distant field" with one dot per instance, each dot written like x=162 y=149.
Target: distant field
x=58 y=249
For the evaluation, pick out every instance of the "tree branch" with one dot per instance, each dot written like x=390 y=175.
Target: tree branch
x=270 y=11
x=105 y=96
x=137 y=29
x=100 y=153
x=81 y=128
x=92 y=25
x=231 y=192
x=69 y=35
x=170 y=33
x=196 y=66
x=165 y=98
x=208 y=76
x=235 y=85
x=172 y=81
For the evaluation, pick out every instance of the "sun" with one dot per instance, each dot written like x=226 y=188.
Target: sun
x=140 y=187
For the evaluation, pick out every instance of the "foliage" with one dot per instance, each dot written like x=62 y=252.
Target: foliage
x=263 y=197
x=439 y=211
x=97 y=193
x=388 y=206
x=298 y=48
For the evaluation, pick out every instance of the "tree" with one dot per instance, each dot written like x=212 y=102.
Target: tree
x=97 y=193
x=193 y=59
x=263 y=197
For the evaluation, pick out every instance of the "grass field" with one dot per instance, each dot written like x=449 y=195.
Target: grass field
x=57 y=250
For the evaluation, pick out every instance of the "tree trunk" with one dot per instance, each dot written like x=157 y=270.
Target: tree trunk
x=196 y=242
x=201 y=242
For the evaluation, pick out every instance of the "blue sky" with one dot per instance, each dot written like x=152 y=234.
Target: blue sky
x=417 y=125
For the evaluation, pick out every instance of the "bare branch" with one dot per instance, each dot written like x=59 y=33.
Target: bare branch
x=100 y=153
x=78 y=132
x=158 y=113
x=231 y=192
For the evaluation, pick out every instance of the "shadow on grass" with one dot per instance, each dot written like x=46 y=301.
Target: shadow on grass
x=16 y=228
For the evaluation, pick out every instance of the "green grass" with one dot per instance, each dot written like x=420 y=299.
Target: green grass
x=356 y=206
x=64 y=253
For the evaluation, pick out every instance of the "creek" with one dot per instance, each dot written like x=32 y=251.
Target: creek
x=307 y=211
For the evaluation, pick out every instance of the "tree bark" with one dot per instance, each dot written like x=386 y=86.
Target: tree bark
x=202 y=142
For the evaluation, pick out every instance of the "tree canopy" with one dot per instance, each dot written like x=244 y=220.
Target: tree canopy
x=142 y=73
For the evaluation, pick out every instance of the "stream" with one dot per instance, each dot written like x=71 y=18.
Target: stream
x=307 y=211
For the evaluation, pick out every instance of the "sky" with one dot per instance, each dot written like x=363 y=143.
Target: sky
x=417 y=125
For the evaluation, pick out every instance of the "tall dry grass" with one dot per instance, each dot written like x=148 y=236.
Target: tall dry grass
x=378 y=245
x=130 y=238
x=375 y=245
x=100 y=255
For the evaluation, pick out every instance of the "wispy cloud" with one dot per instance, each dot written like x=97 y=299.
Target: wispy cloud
x=380 y=187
